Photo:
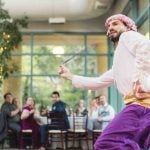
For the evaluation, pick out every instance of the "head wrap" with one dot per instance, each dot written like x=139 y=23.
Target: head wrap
x=128 y=21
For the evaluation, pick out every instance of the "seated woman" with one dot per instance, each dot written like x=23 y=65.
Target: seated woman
x=92 y=113
x=28 y=122
x=93 y=109
x=81 y=110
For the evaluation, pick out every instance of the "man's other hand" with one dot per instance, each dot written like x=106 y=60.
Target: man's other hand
x=138 y=92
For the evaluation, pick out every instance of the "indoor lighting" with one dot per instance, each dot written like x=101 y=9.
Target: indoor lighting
x=56 y=20
x=58 y=50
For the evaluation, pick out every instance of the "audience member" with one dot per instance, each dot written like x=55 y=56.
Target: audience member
x=40 y=115
x=105 y=114
x=57 y=106
x=28 y=122
x=98 y=101
x=12 y=112
x=43 y=111
x=81 y=110
x=93 y=109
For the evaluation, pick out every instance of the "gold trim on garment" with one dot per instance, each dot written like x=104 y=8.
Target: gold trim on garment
x=131 y=99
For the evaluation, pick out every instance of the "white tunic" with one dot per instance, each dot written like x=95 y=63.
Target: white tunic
x=131 y=63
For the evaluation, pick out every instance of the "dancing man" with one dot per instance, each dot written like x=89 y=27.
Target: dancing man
x=130 y=129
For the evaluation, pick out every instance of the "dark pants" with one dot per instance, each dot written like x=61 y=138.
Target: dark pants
x=14 y=137
x=43 y=133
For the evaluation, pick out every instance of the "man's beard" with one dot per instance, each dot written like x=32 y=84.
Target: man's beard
x=116 y=38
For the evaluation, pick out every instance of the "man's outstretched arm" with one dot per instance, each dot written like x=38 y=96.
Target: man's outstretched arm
x=91 y=83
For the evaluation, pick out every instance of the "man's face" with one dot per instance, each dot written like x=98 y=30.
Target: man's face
x=81 y=104
x=55 y=98
x=103 y=100
x=9 y=98
x=115 y=29
x=98 y=101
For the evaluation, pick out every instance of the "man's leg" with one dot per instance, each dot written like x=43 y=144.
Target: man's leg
x=122 y=132
x=14 y=140
x=144 y=136
x=43 y=133
x=97 y=124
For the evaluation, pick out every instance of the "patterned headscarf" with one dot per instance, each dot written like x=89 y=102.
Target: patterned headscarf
x=129 y=22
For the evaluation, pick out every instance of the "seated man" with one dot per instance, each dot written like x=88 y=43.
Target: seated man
x=105 y=114
x=58 y=106
x=12 y=112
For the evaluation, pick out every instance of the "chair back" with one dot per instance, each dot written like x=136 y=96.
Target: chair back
x=80 y=123
x=56 y=121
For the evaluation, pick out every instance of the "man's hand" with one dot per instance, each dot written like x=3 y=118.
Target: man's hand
x=44 y=112
x=138 y=92
x=19 y=107
x=99 y=119
x=65 y=73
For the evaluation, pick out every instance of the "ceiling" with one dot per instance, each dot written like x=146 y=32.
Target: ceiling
x=71 y=10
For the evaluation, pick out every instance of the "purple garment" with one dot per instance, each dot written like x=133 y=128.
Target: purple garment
x=129 y=130
x=30 y=123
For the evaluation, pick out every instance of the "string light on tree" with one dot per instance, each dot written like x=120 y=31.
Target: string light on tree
x=10 y=39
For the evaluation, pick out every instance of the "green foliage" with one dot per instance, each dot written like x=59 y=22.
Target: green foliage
x=44 y=86
x=25 y=90
x=10 y=37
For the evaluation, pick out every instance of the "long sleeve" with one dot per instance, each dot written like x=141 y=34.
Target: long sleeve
x=92 y=83
x=6 y=109
x=140 y=47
